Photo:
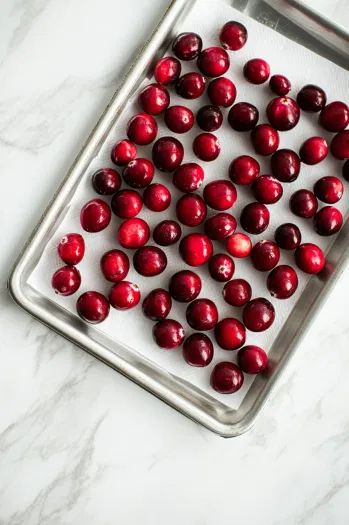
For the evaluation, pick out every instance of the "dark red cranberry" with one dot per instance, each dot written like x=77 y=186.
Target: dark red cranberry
x=213 y=62
x=167 y=233
x=184 y=286
x=243 y=116
x=157 y=304
x=226 y=378
x=266 y=189
x=243 y=170
x=126 y=204
x=66 y=280
x=303 y=203
x=188 y=177
x=222 y=92
x=313 y=150
x=149 y=261
x=345 y=170
x=328 y=221
x=230 y=334
x=191 y=210
x=156 y=197
x=187 y=46
x=233 y=35
x=283 y=113
x=256 y=71
x=138 y=173
x=198 y=350
x=206 y=147
x=71 y=248
x=167 y=154
x=221 y=267
x=115 y=265
x=285 y=165
x=168 y=334
x=167 y=70
x=265 y=255
x=311 y=98
x=123 y=152
x=282 y=282
x=92 y=307
x=142 y=129
x=154 y=99
x=252 y=359
x=309 y=258
x=288 y=236
x=133 y=233
x=329 y=189
x=220 y=194
x=237 y=292
x=239 y=245
x=220 y=226
x=191 y=85
x=179 y=119
x=334 y=117
x=124 y=295
x=279 y=85
x=258 y=314
x=195 y=249
x=209 y=118
x=202 y=314
x=340 y=145
x=254 y=218
x=265 y=139
x=106 y=181
x=95 y=215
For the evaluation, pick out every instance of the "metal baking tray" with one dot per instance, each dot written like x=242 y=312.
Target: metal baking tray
x=295 y=21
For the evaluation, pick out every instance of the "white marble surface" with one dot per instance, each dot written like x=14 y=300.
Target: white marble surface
x=79 y=444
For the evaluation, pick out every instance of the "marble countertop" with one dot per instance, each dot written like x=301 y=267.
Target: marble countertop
x=79 y=443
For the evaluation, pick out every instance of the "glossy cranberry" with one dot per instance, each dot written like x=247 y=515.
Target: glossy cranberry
x=188 y=177
x=329 y=189
x=123 y=152
x=252 y=359
x=233 y=35
x=138 y=173
x=157 y=304
x=191 y=210
x=265 y=255
x=279 y=85
x=202 y=314
x=187 y=46
x=266 y=189
x=142 y=129
x=256 y=71
x=106 y=181
x=209 y=118
x=66 y=280
x=265 y=139
x=167 y=70
x=345 y=170
x=313 y=150
x=311 y=98
x=239 y=245
x=168 y=334
x=167 y=154
x=282 y=282
x=254 y=218
x=288 y=236
x=206 y=147
x=309 y=258
x=237 y=292
x=334 y=117
x=126 y=204
x=328 y=221
x=184 y=286
x=221 y=92
x=95 y=215
x=285 y=165
x=115 y=265
x=213 y=62
x=92 y=307
x=243 y=116
x=303 y=203
x=258 y=315
x=220 y=194
x=154 y=99
x=156 y=197
x=167 y=233
x=226 y=378
x=195 y=249
x=283 y=113
x=230 y=334
x=198 y=350
x=340 y=145
x=191 y=85
x=221 y=267
x=149 y=261
x=133 y=233
x=71 y=248
x=220 y=226
x=124 y=295
x=179 y=119
x=243 y=170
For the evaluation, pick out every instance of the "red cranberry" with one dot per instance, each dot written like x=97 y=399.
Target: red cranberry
x=191 y=85
x=328 y=221
x=149 y=261
x=334 y=117
x=168 y=334
x=133 y=233
x=243 y=170
x=179 y=119
x=243 y=116
x=256 y=71
x=220 y=226
x=138 y=173
x=221 y=92
x=157 y=197
x=345 y=170
x=154 y=99
x=184 y=286
x=285 y=165
x=66 y=280
x=265 y=255
x=237 y=292
x=213 y=62
x=198 y=350
x=209 y=118
x=71 y=248
x=124 y=295
x=252 y=359
x=115 y=265
x=239 y=245
x=202 y=314
x=283 y=113
x=95 y=215
x=258 y=314
x=187 y=46
x=191 y=210
x=220 y=194
x=167 y=70
x=311 y=98
x=265 y=139
x=206 y=147
x=226 y=378
x=340 y=145
x=93 y=307
x=280 y=85
x=329 y=189
x=106 y=181
x=157 y=304
x=188 y=177
x=303 y=203
x=309 y=258
x=255 y=218
x=282 y=282
x=195 y=249
x=221 y=267
x=126 y=204
x=233 y=35
x=288 y=236
x=230 y=334
x=142 y=129
x=267 y=190
x=167 y=154
x=313 y=150
x=123 y=152
x=167 y=233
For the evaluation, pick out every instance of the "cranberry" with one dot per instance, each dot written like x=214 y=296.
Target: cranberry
x=221 y=92
x=340 y=145
x=345 y=170
x=202 y=314
x=157 y=197
x=328 y=221
x=237 y=292
x=221 y=267
x=334 y=117
x=255 y=218
x=188 y=177
x=243 y=170
x=267 y=190
x=220 y=194
x=198 y=350
x=206 y=147
x=265 y=139
x=157 y=304
x=106 y=181
x=133 y=233
x=252 y=359
x=283 y=113
x=220 y=226
x=168 y=334
x=303 y=203
x=329 y=189
x=126 y=204
x=230 y=334
x=124 y=295
x=213 y=62
x=167 y=70
x=239 y=245
x=179 y=119
x=190 y=85
x=282 y=282
x=123 y=152
x=92 y=307
x=265 y=255
x=191 y=210
x=154 y=99
x=95 y=215
x=66 y=280
x=71 y=248
x=195 y=249
x=115 y=265
x=311 y=98
x=256 y=71
x=138 y=173
x=279 y=85
x=209 y=118
x=187 y=46
x=309 y=258
x=258 y=314
x=184 y=286
x=233 y=35
x=226 y=378
x=142 y=129
x=243 y=116
x=167 y=154
x=167 y=233
x=149 y=261
x=285 y=165
x=288 y=236
x=313 y=150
